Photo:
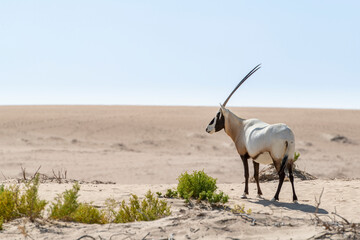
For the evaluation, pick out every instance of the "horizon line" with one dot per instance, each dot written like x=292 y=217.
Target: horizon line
x=172 y=105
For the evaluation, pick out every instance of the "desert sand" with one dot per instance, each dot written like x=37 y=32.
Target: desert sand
x=139 y=148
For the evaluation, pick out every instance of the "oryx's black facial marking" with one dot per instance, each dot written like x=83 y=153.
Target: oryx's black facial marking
x=220 y=122
x=216 y=124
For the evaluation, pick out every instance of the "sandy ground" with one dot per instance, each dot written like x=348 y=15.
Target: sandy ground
x=143 y=148
x=279 y=220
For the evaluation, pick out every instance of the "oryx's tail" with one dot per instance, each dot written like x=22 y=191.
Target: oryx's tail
x=286 y=156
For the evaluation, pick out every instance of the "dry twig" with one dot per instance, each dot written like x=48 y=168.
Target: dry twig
x=59 y=176
x=23 y=170
x=3 y=175
x=86 y=236
x=37 y=171
x=335 y=227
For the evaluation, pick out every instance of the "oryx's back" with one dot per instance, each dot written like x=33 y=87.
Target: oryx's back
x=262 y=137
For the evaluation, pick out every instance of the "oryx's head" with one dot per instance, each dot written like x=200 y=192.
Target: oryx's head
x=218 y=122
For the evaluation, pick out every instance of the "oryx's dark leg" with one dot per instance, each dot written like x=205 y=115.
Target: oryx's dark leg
x=244 y=158
x=281 y=180
x=256 y=176
x=281 y=172
x=290 y=168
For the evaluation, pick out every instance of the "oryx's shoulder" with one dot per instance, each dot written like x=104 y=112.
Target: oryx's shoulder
x=253 y=122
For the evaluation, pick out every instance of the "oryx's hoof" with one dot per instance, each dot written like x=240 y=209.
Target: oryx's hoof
x=296 y=201
x=274 y=200
x=244 y=196
x=259 y=196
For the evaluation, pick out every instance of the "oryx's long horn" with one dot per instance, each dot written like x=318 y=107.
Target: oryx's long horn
x=241 y=82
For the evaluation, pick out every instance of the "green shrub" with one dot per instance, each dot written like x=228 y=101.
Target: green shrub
x=85 y=213
x=171 y=193
x=109 y=213
x=213 y=197
x=9 y=198
x=296 y=156
x=151 y=208
x=67 y=208
x=13 y=204
x=199 y=185
x=66 y=204
x=29 y=203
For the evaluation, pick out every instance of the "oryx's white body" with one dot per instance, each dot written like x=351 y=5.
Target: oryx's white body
x=264 y=143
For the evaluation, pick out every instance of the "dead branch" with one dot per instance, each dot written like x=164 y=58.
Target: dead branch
x=37 y=171
x=57 y=177
x=3 y=175
x=146 y=235
x=347 y=222
x=23 y=231
x=114 y=235
x=318 y=202
x=334 y=227
x=247 y=217
x=23 y=170
x=86 y=236
x=101 y=238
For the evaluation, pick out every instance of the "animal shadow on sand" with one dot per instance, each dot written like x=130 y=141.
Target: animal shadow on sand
x=307 y=208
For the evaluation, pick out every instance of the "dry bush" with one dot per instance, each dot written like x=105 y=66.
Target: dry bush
x=336 y=227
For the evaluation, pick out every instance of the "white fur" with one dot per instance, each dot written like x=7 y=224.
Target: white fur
x=264 y=143
x=267 y=140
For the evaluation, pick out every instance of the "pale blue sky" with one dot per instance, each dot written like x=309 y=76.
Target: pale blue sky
x=180 y=52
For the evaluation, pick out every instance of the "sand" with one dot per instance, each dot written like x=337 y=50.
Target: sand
x=141 y=148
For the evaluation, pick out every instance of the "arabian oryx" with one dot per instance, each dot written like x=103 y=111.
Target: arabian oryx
x=264 y=143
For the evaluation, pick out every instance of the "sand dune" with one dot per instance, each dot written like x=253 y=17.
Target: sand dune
x=143 y=148
x=156 y=144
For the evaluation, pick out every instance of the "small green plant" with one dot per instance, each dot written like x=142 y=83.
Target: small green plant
x=30 y=204
x=241 y=209
x=13 y=204
x=109 y=213
x=9 y=198
x=200 y=186
x=67 y=208
x=296 y=156
x=66 y=204
x=159 y=194
x=151 y=208
x=85 y=213
x=213 y=197
x=171 y=193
